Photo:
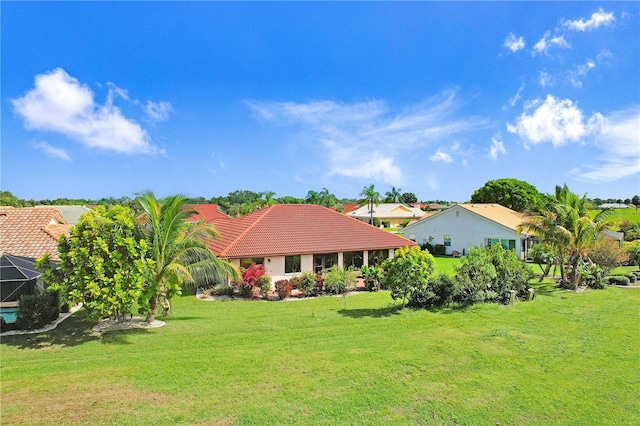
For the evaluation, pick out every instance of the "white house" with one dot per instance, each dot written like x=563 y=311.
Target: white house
x=464 y=226
x=395 y=213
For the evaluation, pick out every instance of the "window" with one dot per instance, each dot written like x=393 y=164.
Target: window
x=353 y=259
x=247 y=261
x=447 y=240
x=292 y=264
x=324 y=261
x=506 y=244
x=376 y=257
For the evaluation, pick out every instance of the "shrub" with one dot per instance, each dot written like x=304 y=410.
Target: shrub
x=264 y=283
x=440 y=291
x=296 y=281
x=511 y=273
x=633 y=251
x=337 y=280
x=593 y=277
x=221 y=290
x=428 y=247
x=618 y=280
x=386 y=224
x=405 y=223
x=308 y=281
x=371 y=276
x=439 y=250
x=476 y=274
x=37 y=310
x=632 y=278
x=407 y=272
x=607 y=254
x=283 y=288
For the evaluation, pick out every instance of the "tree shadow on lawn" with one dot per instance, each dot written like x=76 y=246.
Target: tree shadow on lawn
x=546 y=287
x=73 y=331
x=373 y=313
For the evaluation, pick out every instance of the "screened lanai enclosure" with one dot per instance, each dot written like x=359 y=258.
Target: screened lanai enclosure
x=18 y=276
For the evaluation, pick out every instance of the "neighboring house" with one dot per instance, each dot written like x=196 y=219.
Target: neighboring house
x=207 y=212
x=292 y=238
x=31 y=231
x=464 y=226
x=71 y=214
x=613 y=206
x=395 y=213
x=26 y=234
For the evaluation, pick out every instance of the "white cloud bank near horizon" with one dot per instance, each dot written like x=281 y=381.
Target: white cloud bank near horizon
x=348 y=130
x=60 y=104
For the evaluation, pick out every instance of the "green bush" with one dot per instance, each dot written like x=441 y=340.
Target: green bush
x=428 y=247
x=337 y=280
x=308 y=281
x=618 y=280
x=283 y=288
x=296 y=281
x=632 y=278
x=439 y=250
x=440 y=291
x=264 y=283
x=376 y=222
x=222 y=290
x=386 y=224
x=371 y=276
x=37 y=310
x=407 y=272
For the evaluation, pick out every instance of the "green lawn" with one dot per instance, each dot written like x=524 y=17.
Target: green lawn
x=565 y=358
x=630 y=214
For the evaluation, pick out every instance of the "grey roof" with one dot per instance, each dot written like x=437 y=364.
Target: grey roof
x=71 y=214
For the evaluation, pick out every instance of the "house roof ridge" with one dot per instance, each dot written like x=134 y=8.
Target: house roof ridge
x=252 y=224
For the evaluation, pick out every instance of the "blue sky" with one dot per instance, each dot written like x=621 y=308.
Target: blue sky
x=204 y=98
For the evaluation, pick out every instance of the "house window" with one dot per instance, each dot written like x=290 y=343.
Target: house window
x=292 y=264
x=505 y=243
x=376 y=257
x=324 y=261
x=447 y=240
x=247 y=261
x=353 y=259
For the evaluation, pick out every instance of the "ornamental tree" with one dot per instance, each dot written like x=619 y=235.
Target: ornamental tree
x=103 y=263
x=512 y=193
x=407 y=272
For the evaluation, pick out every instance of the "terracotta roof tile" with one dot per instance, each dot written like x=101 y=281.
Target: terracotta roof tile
x=286 y=229
x=31 y=232
x=207 y=212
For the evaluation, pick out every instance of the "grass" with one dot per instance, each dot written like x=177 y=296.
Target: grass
x=565 y=358
x=630 y=214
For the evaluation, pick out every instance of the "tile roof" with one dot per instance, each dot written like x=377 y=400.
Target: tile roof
x=207 y=212
x=286 y=229
x=31 y=232
x=496 y=213
x=71 y=214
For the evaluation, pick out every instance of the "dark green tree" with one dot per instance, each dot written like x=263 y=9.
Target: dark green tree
x=512 y=193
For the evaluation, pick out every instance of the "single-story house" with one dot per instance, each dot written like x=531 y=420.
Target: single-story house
x=31 y=231
x=463 y=226
x=289 y=239
x=395 y=213
x=25 y=234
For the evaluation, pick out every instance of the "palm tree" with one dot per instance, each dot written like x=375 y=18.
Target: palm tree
x=312 y=197
x=370 y=196
x=178 y=247
x=566 y=225
x=393 y=196
x=268 y=198
x=326 y=198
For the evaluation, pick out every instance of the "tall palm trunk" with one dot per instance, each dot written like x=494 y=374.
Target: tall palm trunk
x=153 y=306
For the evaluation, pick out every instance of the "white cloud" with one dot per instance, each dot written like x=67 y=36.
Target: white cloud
x=513 y=43
x=604 y=55
x=497 y=147
x=60 y=103
x=619 y=143
x=516 y=97
x=580 y=71
x=441 y=156
x=366 y=139
x=597 y=20
x=544 y=79
x=556 y=121
x=52 y=151
x=545 y=43
x=158 y=111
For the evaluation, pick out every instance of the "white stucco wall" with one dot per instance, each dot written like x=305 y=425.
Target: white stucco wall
x=465 y=228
